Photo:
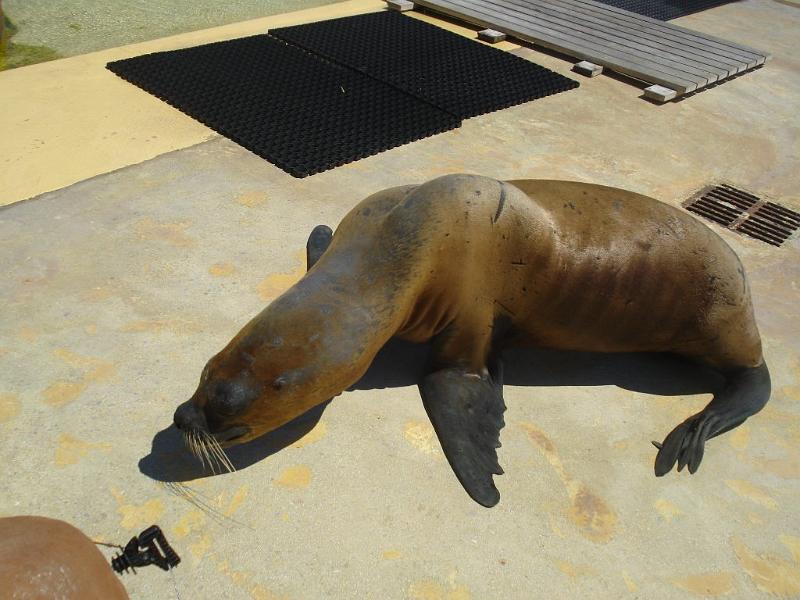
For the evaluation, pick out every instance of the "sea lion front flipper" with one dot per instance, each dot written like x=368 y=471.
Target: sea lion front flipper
x=466 y=411
x=318 y=242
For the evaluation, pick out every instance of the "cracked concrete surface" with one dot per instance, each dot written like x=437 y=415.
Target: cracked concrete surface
x=118 y=288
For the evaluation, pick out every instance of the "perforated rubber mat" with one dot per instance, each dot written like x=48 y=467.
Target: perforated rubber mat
x=301 y=113
x=461 y=76
x=665 y=10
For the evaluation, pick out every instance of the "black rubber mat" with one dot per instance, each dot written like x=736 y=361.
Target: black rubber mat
x=665 y=10
x=301 y=113
x=462 y=76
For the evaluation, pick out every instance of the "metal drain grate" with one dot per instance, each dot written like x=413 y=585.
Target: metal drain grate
x=746 y=213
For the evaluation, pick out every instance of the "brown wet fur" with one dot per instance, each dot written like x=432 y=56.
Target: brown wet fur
x=475 y=264
x=44 y=558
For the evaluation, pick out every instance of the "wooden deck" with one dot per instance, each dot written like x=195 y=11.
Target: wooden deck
x=634 y=45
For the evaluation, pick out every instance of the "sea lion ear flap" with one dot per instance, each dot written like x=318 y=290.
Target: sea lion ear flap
x=466 y=411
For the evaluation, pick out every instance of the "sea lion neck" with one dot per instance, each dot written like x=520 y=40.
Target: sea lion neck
x=318 y=322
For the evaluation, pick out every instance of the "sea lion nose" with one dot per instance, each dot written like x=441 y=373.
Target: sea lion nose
x=189 y=416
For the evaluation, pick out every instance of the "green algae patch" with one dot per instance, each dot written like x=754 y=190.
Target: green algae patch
x=19 y=55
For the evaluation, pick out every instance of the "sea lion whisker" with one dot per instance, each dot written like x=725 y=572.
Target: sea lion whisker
x=202 y=451
x=212 y=460
x=189 y=443
x=189 y=495
x=183 y=491
x=220 y=453
x=195 y=448
x=207 y=451
x=215 y=453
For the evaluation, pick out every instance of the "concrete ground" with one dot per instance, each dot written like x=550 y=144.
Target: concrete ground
x=157 y=239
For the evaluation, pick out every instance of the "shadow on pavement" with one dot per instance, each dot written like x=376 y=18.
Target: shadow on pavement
x=402 y=364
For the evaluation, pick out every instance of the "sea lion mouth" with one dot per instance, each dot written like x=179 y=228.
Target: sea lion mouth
x=231 y=434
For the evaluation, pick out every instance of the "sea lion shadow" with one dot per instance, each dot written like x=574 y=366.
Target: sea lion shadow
x=402 y=364
x=170 y=461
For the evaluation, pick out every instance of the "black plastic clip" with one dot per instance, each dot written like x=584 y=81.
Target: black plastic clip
x=142 y=551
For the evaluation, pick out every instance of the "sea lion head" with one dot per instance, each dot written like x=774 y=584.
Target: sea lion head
x=279 y=366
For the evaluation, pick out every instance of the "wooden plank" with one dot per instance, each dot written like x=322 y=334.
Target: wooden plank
x=614 y=45
x=625 y=42
x=558 y=32
x=649 y=36
x=636 y=68
x=601 y=31
x=692 y=40
x=682 y=32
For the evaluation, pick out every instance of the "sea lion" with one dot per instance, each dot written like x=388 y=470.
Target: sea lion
x=47 y=558
x=476 y=265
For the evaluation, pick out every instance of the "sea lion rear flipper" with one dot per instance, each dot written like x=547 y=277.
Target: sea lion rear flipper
x=746 y=392
x=466 y=411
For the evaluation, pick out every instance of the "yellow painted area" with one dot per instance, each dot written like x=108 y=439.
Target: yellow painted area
x=791 y=391
x=170 y=233
x=574 y=571
x=285 y=517
x=192 y=520
x=421 y=435
x=297 y=476
x=193 y=523
x=96 y=368
x=554 y=527
x=709 y=585
x=9 y=407
x=177 y=326
x=769 y=573
x=91 y=329
x=251 y=199
x=595 y=520
x=244 y=581
x=222 y=269
x=98 y=293
x=391 y=555
x=318 y=432
x=25 y=332
x=62 y=392
x=114 y=123
x=277 y=283
x=238 y=498
x=137 y=516
x=740 y=437
x=755 y=519
x=786 y=467
x=745 y=489
x=667 y=509
x=629 y=583
x=200 y=547
x=428 y=589
x=71 y=450
x=793 y=544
